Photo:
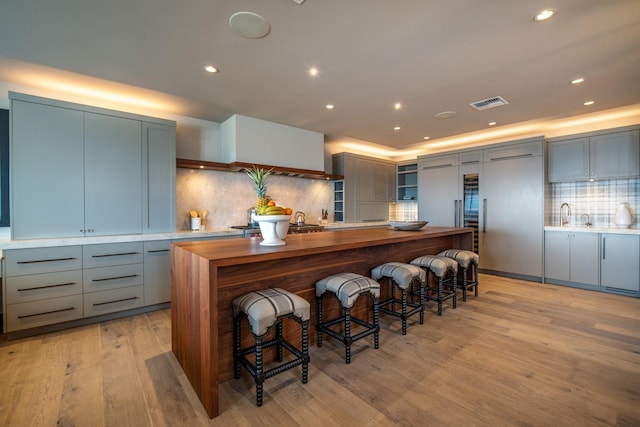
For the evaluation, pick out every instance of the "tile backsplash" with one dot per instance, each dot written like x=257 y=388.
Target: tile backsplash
x=598 y=199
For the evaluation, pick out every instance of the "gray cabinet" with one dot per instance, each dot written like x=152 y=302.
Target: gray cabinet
x=79 y=170
x=438 y=189
x=407 y=181
x=511 y=238
x=620 y=262
x=157 y=272
x=603 y=156
x=369 y=186
x=159 y=178
x=47 y=171
x=112 y=175
x=571 y=257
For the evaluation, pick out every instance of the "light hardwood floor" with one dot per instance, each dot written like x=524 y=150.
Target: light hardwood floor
x=521 y=353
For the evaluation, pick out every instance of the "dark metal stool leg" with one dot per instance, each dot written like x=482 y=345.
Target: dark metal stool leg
x=305 y=351
x=376 y=324
x=236 y=346
x=259 y=378
x=347 y=334
x=318 y=326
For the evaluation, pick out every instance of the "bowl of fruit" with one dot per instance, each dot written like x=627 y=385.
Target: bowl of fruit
x=272 y=219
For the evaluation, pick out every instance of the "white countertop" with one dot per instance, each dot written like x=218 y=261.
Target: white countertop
x=585 y=229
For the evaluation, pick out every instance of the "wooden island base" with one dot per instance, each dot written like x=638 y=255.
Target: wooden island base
x=207 y=275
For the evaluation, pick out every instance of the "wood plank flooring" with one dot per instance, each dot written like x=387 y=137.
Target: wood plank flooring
x=522 y=353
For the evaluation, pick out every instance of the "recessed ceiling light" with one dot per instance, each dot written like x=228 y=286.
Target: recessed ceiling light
x=426 y=137
x=589 y=103
x=397 y=106
x=396 y=128
x=330 y=106
x=211 y=69
x=544 y=15
x=249 y=25
x=313 y=71
x=492 y=123
x=445 y=114
x=577 y=81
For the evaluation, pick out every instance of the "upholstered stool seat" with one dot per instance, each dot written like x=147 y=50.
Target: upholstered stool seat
x=347 y=288
x=265 y=309
x=445 y=270
x=468 y=262
x=407 y=278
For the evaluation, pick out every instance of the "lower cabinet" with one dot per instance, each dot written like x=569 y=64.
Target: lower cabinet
x=571 y=257
x=45 y=286
x=619 y=262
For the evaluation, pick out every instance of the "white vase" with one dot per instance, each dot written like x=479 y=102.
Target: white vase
x=623 y=216
x=274 y=228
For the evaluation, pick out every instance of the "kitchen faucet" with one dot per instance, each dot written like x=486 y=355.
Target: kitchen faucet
x=588 y=223
x=562 y=220
x=299 y=217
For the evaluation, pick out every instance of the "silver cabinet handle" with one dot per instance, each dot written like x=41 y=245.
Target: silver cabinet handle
x=25 y=316
x=455 y=213
x=604 y=248
x=484 y=215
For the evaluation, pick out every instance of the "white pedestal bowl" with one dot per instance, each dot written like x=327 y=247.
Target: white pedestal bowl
x=274 y=228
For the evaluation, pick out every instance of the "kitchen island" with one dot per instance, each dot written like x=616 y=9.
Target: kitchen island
x=207 y=275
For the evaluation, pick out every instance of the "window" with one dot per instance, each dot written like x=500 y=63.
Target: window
x=4 y=168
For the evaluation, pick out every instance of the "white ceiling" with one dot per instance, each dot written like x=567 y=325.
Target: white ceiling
x=431 y=56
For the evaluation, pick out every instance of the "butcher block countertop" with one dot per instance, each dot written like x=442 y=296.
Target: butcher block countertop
x=207 y=275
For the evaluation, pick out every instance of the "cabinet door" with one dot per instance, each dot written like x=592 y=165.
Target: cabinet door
x=584 y=258
x=159 y=178
x=620 y=261
x=568 y=160
x=615 y=155
x=365 y=180
x=46 y=171
x=438 y=195
x=557 y=255
x=157 y=272
x=513 y=226
x=113 y=175
x=383 y=182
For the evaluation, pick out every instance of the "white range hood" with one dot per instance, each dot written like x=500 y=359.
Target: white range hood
x=249 y=140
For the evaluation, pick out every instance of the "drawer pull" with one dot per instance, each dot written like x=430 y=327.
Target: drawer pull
x=47 y=287
x=514 y=156
x=45 y=260
x=115 y=278
x=95 y=304
x=158 y=250
x=46 y=312
x=120 y=254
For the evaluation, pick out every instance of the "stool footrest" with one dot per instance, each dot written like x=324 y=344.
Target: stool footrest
x=371 y=329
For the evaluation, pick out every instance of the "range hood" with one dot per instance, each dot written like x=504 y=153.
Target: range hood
x=287 y=150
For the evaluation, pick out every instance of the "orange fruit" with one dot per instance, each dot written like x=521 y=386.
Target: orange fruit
x=288 y=211
x=271 y=203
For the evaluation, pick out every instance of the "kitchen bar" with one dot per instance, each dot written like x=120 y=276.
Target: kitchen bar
x=206 y=276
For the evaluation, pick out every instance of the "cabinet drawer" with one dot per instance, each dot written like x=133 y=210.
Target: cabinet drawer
x=119 y=276
x=44 y=312
x=525 y=149
x=41 y=286
x=43 y=260
x=112 y=254
x=98 y=303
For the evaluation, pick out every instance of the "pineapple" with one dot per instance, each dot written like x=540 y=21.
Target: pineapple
x=259 y=178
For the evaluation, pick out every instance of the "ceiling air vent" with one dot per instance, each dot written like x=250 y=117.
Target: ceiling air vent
x=485 y=104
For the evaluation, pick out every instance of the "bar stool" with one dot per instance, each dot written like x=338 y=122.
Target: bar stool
x=347 y=288
x=404 y=277
x=466 y=260
x=445 y=270
x=265 y=309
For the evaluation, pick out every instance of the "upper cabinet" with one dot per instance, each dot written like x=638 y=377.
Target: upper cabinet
x=407 y=180
x=601 y=156
x=79 y=170
x=369 y=186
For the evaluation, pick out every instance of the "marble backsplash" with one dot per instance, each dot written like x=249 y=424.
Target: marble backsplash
x=598 y=199
x=228 y=195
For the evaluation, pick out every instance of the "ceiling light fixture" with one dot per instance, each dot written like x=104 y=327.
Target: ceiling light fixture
x=211 y=69
x=396 y=128
x=397 y=106
x=313 y=71
x=330 y=106
x=544 y=15
x=588 y=103
x=492 y=123
x=426 y=137
x=249 y=25
x=577 y=81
